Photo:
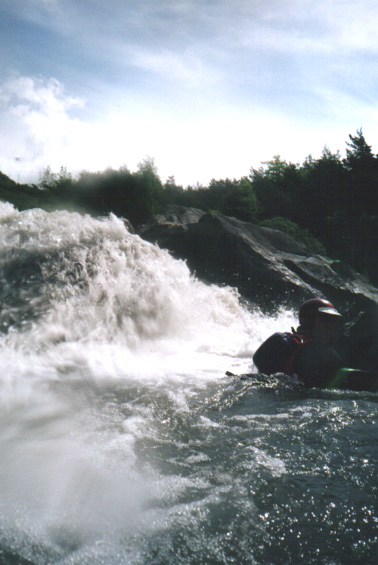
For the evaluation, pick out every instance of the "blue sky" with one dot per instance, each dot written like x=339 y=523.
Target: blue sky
x=208 y=88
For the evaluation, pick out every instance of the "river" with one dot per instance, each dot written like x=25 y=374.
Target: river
x=124 y=441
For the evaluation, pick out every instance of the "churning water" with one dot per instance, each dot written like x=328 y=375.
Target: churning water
x=123 y=441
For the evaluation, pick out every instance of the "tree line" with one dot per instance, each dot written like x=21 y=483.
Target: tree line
x=329 y=203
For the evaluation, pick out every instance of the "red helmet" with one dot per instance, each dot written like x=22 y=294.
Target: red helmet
x=311 y=308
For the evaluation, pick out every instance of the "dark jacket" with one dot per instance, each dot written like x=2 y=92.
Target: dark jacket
x=295 y=354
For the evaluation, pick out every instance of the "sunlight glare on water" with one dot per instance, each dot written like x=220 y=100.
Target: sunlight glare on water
x=122 y=440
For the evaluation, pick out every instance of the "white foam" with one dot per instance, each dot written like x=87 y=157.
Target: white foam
x=124 y=341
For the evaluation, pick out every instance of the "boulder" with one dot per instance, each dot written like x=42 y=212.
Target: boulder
x=269 y=268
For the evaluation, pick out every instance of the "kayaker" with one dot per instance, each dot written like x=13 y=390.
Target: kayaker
x=308 y=353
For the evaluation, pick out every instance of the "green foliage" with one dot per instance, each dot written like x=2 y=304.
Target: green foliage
x=281 y=224
x=47 y=179
x=232 y=198
x=240 y=200
x=57 y=188
x=324 y=189
x=273 y=169
x=300 y=234
x=362 y=167
x=135 y=196
x=22 y=196
x=148 y=190
x=359 y=155
x=147 y=165
x=333 y=199
x=330 y=203
x=6 y=182
x=278 y=188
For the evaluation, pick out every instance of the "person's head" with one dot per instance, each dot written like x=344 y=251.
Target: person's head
x=317 y=318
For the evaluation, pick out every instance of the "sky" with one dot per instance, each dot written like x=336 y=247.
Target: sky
x=206 y=88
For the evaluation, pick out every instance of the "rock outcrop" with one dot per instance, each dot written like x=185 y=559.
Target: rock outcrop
x=269 y=268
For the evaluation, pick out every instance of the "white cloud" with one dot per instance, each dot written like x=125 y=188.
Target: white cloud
x=222 y=141
x=39 y=130
x=206 y=88
x=47 y=97
x=35 y=114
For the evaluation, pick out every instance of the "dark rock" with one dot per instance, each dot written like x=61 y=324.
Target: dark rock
x=269 y=268
x=361 y=343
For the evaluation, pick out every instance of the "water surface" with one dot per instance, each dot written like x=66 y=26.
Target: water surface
x=122 y=439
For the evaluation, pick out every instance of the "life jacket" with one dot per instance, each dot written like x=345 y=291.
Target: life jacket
x=278 y=353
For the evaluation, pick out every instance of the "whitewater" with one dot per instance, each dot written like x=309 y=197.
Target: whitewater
x=129 y=436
